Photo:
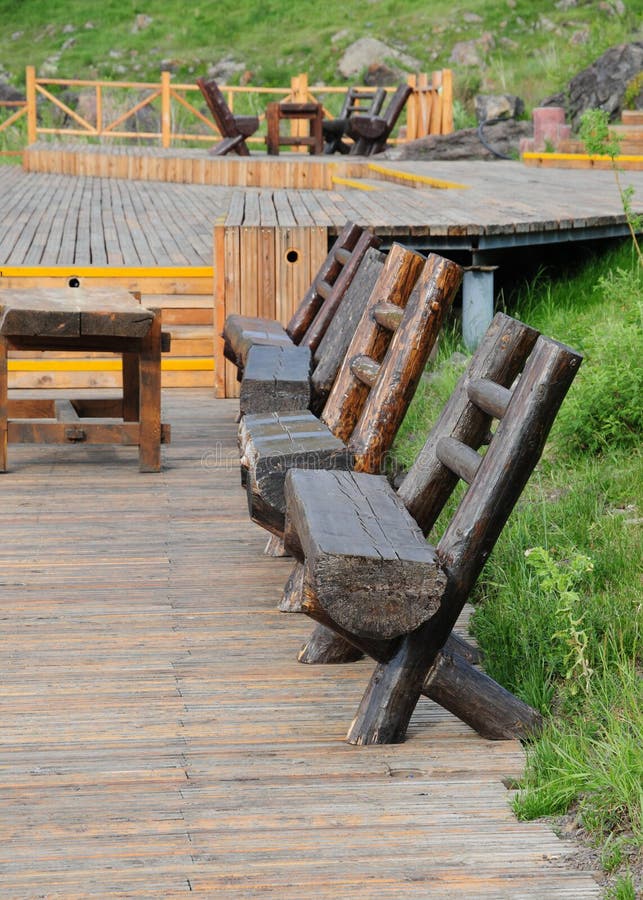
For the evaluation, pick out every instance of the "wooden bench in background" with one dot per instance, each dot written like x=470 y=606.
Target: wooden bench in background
x=234 y=129
x=371 y=393
x=281 y=359
x=357 y=101
x=371 y=132
x=370 y=579
x=95 y=320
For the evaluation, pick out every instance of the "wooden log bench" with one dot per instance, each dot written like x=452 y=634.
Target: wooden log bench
x=235 y=130
x=371 y=581
x=357 y=101
x=371 y=132
x=293 y=377
x=371 y=393
x=86 y=320
x=349 y=257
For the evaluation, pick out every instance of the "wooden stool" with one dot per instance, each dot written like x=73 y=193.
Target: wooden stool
x=311 y=112
x=85 y=320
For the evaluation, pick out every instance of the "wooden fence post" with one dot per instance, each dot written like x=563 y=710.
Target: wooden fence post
x=299 y=94
x=32 y=121
x=447 y=101
x=166 y=116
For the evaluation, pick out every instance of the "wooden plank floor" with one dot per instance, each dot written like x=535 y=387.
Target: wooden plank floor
x=158 y=737
x=51 y=220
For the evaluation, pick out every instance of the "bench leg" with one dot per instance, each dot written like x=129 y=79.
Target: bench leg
x=149 y=451
x=4 y=404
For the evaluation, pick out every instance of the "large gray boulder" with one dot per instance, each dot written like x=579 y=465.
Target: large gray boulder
x=503 y=137
x=602 y=84
x=368 y=53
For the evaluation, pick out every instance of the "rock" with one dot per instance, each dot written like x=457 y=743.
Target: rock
x=471 y=53
x=69 y=43
x=69 y=29
x=225 y=69
x=496 y=106
x=141 y=22
x=380 y=75
x=581 y=36
x=602 y=84
x=17 y=35
x=339 y=36
x=504 y=137
x=49 y=68
x=10 y=93
x=368 y=52
x=566 y=4
x=471 y=18
x=466 y=53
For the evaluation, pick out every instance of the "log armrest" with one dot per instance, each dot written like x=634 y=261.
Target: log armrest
x=368 y=562
x=275 y=377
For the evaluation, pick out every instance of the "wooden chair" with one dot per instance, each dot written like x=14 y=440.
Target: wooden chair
x=377 y=379
x=356 y=102
x=234 y=129
x=371 y=132
x=370 y=577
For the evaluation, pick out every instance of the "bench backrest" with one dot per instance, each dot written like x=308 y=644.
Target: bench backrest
x=388 y=352
x=362 y=102
x=217 y=105
x=319 y=304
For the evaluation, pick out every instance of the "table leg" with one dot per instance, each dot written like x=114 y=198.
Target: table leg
x=149 y=451
x=4 y=404
x=131 y=382
x=272 y=136
x=316 y=133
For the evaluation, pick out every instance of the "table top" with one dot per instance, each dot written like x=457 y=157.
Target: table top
x=73 y=312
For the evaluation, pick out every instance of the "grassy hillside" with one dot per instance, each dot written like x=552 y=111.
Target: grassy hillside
x=532 y=48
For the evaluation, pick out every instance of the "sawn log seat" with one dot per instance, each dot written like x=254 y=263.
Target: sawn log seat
x=371 y=393
x=367 y=576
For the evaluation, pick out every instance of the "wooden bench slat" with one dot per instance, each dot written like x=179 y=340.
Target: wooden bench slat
x=365 y=369
x=372 y=569
x=463 y=461
x=491 y=397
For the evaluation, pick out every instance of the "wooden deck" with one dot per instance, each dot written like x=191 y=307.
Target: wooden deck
x=159 y=237
x=158 y=737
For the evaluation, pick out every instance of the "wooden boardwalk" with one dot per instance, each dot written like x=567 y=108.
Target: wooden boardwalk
x=158 y=737
x=62 y=220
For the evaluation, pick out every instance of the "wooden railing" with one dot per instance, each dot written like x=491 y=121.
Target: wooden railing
x=429 y=109
x=20 y=107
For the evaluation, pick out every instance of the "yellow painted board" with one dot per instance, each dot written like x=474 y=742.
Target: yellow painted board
x=177 y=364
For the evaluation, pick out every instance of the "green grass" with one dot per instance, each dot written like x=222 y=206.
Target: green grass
x=563 y=635
x=275 y=39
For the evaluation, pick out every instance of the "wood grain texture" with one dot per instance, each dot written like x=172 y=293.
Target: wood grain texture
x=370 y=566
x=159 y=737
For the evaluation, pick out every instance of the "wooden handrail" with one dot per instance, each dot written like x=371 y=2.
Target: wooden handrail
x=429 y=110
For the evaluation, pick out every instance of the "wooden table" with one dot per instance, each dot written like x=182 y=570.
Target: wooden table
x=307 y=112
x=85 y=320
